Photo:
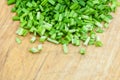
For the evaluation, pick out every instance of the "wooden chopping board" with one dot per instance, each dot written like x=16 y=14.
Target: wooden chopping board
x=16 y=63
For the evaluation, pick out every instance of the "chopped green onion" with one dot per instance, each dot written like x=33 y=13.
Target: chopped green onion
x=11 y=2
x=18 y=40
x=99 y=30
x=76 y=41
x=53 y=41
x=97 y=38
x=65 y=48
x=52 y=2
x=74 y=6
x=42 y=38
x=16 y=18
x=87 y=41
x=21 y=32
x=63 y=21
x=106 y=25
x=82 y=51
x=33 y=39
x=98 y=24
x=13 y=9
x=34 y=50
x=98 y=44
x=91 y=42
x=40 y=47
x=38 y=15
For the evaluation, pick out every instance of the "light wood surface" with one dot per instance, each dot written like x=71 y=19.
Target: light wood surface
x=16 y=63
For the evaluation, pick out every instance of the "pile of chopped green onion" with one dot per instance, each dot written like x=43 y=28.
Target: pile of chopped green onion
x=63 y=21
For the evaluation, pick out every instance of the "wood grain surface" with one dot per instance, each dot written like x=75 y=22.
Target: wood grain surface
x=16 y=63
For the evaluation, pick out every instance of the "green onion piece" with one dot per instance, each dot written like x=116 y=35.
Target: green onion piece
x=105 y=18
x=98 y=24
x=53 y=41
x=33 y=39
x=60 y=17
x=13 y=9
x=76 y=41
x=42 y=38
x=21 y=32
x=74 y=6
x=93 y=35
x=91 y=42
x=18 y=40
x=87 y=41
x=97 y=38
x=98 y=44
x=16 y=18
x=106 y=25
x=99 y=30
x=118 y=3
x=47 y=26
x=44 y=2
x=82 y=51
x=41 y=8
x=38 y=15
x=65 y=48
x=40 y=47
x=34 y=50
x=84 y=16
x=29 y=4
x=23 y=24
x=52 y=2
x=11 y=2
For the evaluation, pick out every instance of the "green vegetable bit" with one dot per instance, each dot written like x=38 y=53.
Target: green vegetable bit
x=53 y=41
x=40 y=47
x=18 y=40
x=65 y=48
x=16 y=18
x=11 y=2
x=42 y=38
x=98 y=44
x=34 y=50
x=22 y=32
x=82 y=51
x=33 y=39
